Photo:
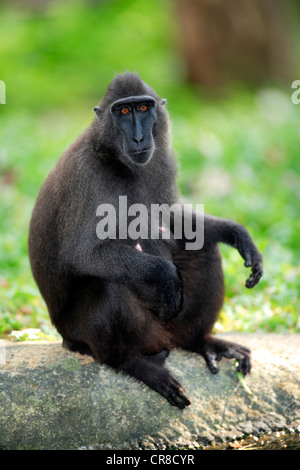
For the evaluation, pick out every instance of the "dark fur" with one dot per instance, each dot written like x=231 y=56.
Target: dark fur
x=125 y=307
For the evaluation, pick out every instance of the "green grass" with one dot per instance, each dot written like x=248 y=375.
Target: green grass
x=239 y=155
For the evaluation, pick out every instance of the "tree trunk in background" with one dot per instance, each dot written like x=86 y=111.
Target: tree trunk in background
x=226 y=41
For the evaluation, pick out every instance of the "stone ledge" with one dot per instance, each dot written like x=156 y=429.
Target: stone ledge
x=54 y=399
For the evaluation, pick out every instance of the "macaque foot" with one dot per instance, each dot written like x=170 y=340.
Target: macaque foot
x=213 y=349
x=172 y=390
x=148 y=369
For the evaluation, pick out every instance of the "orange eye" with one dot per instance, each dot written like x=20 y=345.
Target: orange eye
x=124 y=110
x=143 y=108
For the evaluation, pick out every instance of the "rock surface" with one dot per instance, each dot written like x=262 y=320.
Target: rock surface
x=54 y=399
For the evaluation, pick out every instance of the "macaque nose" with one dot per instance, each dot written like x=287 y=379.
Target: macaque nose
x=138 y=138
x=137 y=130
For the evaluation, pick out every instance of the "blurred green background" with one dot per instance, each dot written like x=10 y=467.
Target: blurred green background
x=236 y=132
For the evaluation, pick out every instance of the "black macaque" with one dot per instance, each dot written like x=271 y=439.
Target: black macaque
x=129 y=302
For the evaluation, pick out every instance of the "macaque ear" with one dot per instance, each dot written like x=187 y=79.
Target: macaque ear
x=97 y=111
x=163 y=101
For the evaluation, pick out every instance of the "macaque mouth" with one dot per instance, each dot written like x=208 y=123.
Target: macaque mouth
x=141 y=151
